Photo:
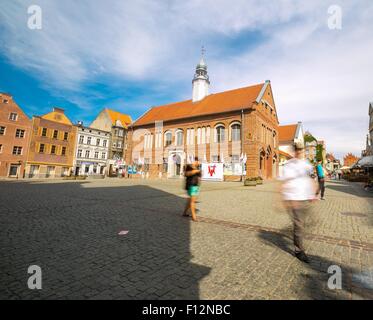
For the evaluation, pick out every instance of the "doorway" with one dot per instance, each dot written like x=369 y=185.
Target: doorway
x=175 y=165
x=13 y=170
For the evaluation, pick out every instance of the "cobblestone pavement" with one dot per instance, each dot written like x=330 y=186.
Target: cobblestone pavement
x=240 y=249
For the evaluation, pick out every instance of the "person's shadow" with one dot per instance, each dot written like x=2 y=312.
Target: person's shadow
x=71 y=230
x=315 y=283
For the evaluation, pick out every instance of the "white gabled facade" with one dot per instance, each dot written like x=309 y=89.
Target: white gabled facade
x=297 y=139
x=91 y=152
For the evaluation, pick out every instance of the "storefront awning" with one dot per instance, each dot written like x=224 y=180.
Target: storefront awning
x=365 y=162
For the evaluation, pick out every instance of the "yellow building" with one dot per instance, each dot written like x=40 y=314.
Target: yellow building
x=52 y=146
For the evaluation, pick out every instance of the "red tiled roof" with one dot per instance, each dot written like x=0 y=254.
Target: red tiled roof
x=214 y=103
x=287 y=133
x=123 y=118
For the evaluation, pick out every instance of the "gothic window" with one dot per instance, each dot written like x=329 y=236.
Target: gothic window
x=219 y=133
x=168 y=138
x=179 y=137
x=235 y=133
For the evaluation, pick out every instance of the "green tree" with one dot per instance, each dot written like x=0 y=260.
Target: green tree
x=319 y=152
x=308 y=138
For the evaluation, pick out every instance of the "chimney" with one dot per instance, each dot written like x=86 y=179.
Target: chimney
x=59 y=110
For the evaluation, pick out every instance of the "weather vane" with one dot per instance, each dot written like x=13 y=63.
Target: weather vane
x=203 y=50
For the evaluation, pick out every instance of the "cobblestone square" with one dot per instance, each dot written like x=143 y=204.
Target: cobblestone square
x=241 y=248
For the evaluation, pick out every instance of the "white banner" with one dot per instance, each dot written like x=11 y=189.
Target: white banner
x=213 y=171
x=233 y=169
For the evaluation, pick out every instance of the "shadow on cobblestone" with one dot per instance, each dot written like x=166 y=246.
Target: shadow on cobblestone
x=355 y=189
x=313 y=278
x=71 y=231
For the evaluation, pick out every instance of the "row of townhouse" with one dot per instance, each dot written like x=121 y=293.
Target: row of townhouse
x=52 y=146
x=235 y=133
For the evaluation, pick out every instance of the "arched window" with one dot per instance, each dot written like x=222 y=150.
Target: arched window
x=199 y=136
x=179 y=137
x=235 y=134
x=219 y=133
x=168 y=138
x=208 y=135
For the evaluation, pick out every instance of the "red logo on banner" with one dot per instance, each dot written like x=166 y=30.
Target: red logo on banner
x=212 y=170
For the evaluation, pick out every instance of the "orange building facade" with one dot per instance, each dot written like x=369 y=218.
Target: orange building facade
x=15 y=131
x=52 y=146
x=236 y=128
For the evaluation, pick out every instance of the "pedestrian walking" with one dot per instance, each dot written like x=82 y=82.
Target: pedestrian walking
x=298 y=189
x=320 y=172
x=339 y=172
x=192 y=185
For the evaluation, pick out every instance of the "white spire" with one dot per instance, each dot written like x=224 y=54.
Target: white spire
x=201 y=79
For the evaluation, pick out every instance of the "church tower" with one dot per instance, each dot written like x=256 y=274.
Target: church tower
x=201 y=80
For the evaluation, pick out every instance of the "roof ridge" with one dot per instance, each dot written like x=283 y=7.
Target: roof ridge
x=211 y=94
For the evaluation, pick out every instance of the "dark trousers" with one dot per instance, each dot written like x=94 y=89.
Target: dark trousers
x=321 y=187
x=299 y=210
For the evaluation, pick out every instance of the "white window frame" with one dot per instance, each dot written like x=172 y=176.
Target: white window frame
x=179 y=132
x=220 y=125
x=231 y=130
x=165 y=140
x=11 y=118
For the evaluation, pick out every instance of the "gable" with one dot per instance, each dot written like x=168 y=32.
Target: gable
x=57 y=117
x=266 y=97
x=102 y=121
x=119 y=119
x=12 y=106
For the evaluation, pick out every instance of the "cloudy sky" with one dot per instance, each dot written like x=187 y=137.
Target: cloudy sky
x=131 y=55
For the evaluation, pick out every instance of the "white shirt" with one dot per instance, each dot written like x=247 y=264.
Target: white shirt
x=298 y=184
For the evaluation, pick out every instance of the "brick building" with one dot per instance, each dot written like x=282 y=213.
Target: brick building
x=15 y=129
x=289 y=136
x=52 y=146
x=117 y=123
x=233 y=128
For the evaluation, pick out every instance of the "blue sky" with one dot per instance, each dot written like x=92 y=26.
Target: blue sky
x=130 y=55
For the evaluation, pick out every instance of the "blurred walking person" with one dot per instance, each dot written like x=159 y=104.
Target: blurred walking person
x=298 y=189
x=320 y=172
x=192 y=185
x=339 y=172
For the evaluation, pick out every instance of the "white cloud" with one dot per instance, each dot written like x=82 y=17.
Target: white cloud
x=319 y=76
